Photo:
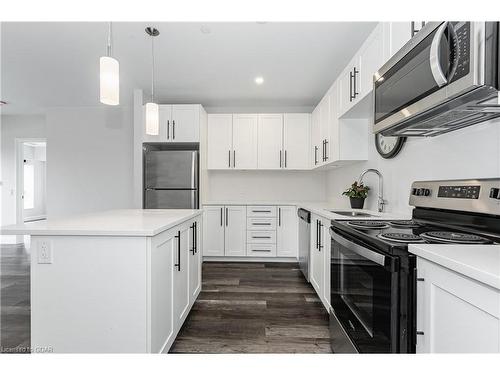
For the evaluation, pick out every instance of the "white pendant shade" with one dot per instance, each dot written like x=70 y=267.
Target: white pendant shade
x=110 y=80
x=152 y=119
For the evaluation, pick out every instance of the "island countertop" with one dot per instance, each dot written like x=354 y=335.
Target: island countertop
x=125 y=222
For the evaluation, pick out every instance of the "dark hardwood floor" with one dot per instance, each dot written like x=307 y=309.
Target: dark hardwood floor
x=14 y=299
x=254 y=308
x=242 y=308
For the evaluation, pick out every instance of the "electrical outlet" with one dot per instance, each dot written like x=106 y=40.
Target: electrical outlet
x=44 y=252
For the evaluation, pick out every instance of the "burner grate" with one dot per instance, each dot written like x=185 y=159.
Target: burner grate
x=404 y=224
x=455 y=237
x=368 y=224
x=400 y=237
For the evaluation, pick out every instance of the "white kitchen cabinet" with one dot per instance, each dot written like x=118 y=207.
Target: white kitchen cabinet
x=455 y=314
x=245 y=130
x=316 y=144
x=213 y=230
x=219 y=141
x=181 y=275
x=287 y=232
x=178 y=123
x=325 y=124
x=270 y=141
x=235 y=230
x=296 y=140
x=194 y=260
x=397 y=35
x=319 y=268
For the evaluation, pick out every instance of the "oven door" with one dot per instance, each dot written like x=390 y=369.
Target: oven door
x=364 y=298
x=432 y=67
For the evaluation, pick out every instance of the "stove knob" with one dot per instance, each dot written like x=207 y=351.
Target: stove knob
x=427 y=192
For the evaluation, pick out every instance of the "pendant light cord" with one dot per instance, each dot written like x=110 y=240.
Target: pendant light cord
x=108 y=48
x=152 y=68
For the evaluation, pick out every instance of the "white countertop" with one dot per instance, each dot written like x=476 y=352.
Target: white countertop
x=479 y=262
x=128 y=222
x=319 y=208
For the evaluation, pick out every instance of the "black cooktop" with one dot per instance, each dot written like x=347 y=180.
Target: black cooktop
x=393 y=235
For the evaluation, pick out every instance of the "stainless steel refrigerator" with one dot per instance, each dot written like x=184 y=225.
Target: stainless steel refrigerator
x=170 y=178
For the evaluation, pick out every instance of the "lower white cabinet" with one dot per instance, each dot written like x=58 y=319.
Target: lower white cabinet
x=250 y=231
x=319 y=268
x=287 y=230
x=455 y=314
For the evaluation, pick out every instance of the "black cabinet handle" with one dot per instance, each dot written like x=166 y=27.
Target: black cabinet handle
x=320 y=244
x=178 y=264
x=193 y=238
x=234 y=158
x=326 y=150
x=262 y=211
x=317 y=234
x=285 y=158
x=221 y=224
x=350 y=87
x=280 y=160
x=355 y=93
x=168 y=129
x=173 y=129
x=315 y=155
x=229 y=159
x=261 y=224
x=262 y=237
x=227 y=217
x=279 y=216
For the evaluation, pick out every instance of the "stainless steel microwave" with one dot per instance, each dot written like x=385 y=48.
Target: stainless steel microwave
x=443 y=79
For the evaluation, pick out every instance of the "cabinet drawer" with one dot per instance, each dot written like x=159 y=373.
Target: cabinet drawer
x=254 y=236
x=261 y=250
x=261 y=223
x=261 y=211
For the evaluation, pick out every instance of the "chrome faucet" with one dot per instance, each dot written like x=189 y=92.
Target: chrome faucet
x=380 y=200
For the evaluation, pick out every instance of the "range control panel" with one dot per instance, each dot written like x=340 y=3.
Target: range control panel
x=478 y=195
x=461 y=192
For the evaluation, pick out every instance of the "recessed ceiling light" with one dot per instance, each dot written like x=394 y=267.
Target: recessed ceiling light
x=259 y=80
x=205 y=30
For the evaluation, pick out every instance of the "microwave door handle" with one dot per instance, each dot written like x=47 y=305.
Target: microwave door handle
x=435 y=64
x=360 y=250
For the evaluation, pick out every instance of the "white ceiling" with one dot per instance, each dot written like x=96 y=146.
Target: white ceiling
x=57 y=64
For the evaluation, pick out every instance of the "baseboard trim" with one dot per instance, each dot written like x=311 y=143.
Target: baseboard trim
x=249 y=259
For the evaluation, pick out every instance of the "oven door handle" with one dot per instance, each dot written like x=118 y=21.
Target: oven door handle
x=360 y=250
x=435 y=64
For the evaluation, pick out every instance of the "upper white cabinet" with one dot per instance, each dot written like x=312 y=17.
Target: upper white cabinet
x=270 y=141
x=219 y=141
x=316 y=144
x=296 y=140
x=245 y=130
x=178 y=123
x=357 y=79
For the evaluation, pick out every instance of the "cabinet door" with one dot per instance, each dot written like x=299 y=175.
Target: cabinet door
x=346 y=92
x=316 y=257
x=194 y=261
x=334 y=145
x=287 y=232
x=235 y=230
x=244 y=154
x=213 y=231
x=296 y=133
x=315 y=138
x=165 y=111
x=162 y=268
x=185 y=123
x=220 y=141
x=181 y=275
x=371 y=58
x=399 y=35
x=324 y=121
x=270 y=142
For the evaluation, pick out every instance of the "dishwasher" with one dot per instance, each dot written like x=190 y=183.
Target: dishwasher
x=304 y=240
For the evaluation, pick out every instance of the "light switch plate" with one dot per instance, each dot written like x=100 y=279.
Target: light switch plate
x=44 y=252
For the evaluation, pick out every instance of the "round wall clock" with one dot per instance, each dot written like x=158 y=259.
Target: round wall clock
x=388 y=147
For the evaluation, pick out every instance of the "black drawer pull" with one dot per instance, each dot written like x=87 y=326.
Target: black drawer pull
x=264 y=237
x=261 y=223
x=262 y=211
x=262 y=250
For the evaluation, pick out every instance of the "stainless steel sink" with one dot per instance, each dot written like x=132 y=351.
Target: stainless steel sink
x=353 y=213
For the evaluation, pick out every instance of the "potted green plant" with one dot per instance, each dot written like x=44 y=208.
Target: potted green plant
x=357 y=194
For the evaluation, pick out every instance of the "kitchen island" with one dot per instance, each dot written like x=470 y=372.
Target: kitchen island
x=113 y=282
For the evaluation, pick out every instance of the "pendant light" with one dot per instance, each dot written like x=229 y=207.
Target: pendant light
x=152 y=109
x=109 y=76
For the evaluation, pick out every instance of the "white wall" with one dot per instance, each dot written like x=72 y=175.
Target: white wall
x=473 y=152
x=89 y=159
x=266 y=185
x=13 y=127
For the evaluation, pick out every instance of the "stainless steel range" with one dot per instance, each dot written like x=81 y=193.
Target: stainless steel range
x=373 y=277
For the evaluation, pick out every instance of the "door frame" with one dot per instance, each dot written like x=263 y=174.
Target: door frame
x=19 y=171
